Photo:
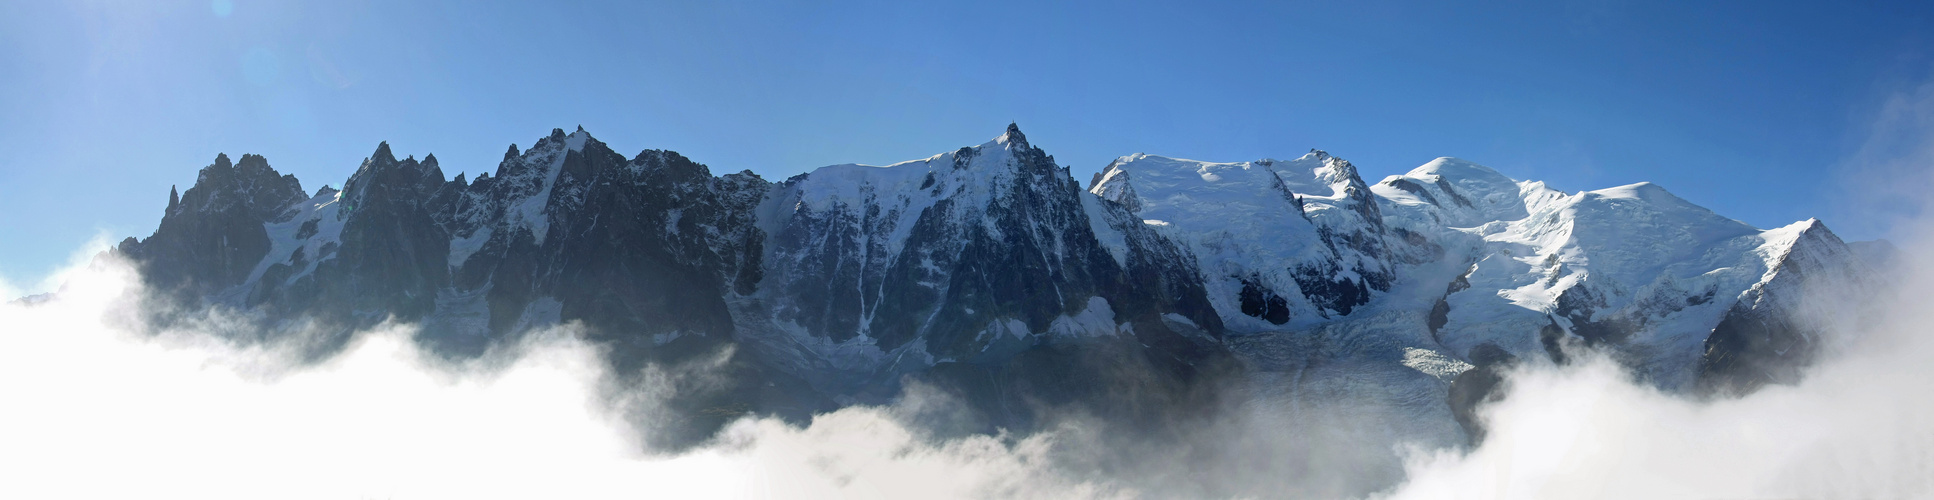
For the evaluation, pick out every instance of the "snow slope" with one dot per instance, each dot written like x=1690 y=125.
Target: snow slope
x=1245 y=224
x=1631 y=266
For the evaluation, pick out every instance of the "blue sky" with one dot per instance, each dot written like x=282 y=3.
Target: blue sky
x=1747 y=108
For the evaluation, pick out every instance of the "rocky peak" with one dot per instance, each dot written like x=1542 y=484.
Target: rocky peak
x=1113 y=183
x=406 y=181
x=579 y=139
x=252 y=186
x=1339 y=171
x=221 y=169
x=212 y=235
x=1814 y=247
x=253 y=163
x=1013 y=137
x=382 y=154
x=1814 y=285
x=674 y=166
x=574 y=141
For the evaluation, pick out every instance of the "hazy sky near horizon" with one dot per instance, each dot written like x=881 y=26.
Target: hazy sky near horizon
x=1751 y=108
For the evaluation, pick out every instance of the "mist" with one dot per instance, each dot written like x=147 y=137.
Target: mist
x=97 y=409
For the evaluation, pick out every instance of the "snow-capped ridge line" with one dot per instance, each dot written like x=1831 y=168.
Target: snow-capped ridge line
x=987 y=254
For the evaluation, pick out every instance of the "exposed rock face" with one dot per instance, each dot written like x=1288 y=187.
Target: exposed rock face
x=965 y=256
x=212 y=237
x=990 y=272
x=1479 y=386
x=1776 y=328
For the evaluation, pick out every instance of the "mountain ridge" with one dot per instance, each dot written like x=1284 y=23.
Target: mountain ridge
x=991 y=271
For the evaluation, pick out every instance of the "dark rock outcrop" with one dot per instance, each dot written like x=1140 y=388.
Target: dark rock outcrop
x=212 y=238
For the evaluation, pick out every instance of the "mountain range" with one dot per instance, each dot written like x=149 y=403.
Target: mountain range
x=1161 y=287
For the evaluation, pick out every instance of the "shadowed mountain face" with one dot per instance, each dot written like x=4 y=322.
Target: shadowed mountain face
x=1145 y=297
x=211 y=240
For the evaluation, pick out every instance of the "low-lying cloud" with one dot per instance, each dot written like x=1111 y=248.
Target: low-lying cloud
x=95 y=411
x=1861 y=426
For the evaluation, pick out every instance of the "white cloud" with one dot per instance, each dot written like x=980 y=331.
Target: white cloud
x=93 y=411
x=1859 y=427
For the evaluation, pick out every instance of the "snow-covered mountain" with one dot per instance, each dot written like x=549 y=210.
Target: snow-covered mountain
x=989 y=270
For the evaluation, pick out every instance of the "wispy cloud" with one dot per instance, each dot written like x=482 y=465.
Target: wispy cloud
x=1887 y=181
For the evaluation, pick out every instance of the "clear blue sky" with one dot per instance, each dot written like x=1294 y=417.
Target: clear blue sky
x=1747 y=108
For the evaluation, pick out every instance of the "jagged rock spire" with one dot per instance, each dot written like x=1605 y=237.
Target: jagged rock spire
x=382 y=153
x=1014 y=136
x=174 y=199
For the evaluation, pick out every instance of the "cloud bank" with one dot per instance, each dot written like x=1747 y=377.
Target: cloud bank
x=98 y=410
x=94 y=410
